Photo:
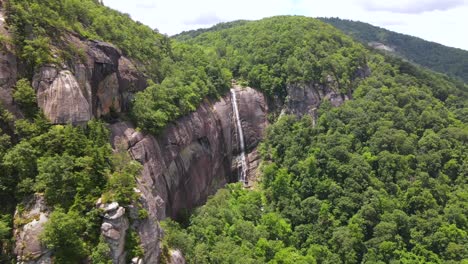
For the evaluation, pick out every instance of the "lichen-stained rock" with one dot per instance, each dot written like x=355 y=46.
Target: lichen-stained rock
x=60 y=97
x=253 y=111
x=108 y=95
x=183 y=165
x=103 y=81
x=114 y=229
x=305 y=99
x=147 y=228
x=29 y=224
x=253 y=114
x=193 y=157
x=130 y=81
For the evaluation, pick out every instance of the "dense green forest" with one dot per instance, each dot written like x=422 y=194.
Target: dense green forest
x=71 y=166
x=451 y=61
x=274 y=52
x=381 y=179
x=180 y=75
x=74 y=166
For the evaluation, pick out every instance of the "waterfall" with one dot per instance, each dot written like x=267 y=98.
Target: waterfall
x=243 y=162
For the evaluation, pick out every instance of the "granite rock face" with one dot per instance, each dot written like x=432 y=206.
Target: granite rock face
x=305 y=99
x=60 y=97
x=102 y=82
x=193 y=157
x=28 y=248
x=114 y=229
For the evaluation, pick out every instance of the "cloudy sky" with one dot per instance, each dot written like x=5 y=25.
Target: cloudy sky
x=443 y=21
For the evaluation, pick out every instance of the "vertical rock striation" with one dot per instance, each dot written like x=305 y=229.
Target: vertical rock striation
x=102 y=82
x=193 y=157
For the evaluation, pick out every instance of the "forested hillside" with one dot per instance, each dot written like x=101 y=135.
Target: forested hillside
x=274 y=52
x=451 y=61
x=71 y=167
x=181 y=75
x=381 y=179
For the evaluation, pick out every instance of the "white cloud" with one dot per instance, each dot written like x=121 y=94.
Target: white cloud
x=204 y=19
x=442 y=21
x=412 y=6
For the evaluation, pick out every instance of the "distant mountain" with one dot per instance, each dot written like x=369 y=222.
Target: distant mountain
x=451 y=61
x=189 y=34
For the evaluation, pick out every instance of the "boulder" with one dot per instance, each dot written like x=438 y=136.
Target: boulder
x=114 y=229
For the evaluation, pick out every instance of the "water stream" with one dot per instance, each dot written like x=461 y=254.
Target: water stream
x=242 y=159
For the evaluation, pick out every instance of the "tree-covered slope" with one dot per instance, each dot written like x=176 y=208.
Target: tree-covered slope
x=71 y=167
x=271 y=53
x=186 y=35
x=180 y=75
x=381 y=179
x=451 y=61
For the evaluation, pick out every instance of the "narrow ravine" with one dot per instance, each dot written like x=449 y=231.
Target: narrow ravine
x=240 y=134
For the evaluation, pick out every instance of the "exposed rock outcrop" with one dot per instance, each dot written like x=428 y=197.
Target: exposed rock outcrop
x=253 y=112
x=193 y=157
x=114 y=229
x=176 y=257
x=306 y=99
x=148 y=229
x=29 y=224
x=102 y=82
x=8 y=66
x=60 y=97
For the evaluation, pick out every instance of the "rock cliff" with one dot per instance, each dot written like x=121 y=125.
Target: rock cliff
x=305 y=99
x=194 y=156
x=114 y=229
x=29 y=224
x=190 y=159
x=102 y=82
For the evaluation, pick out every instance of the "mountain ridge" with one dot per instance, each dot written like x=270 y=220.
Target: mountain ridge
x=433 y=55
x=112 y=138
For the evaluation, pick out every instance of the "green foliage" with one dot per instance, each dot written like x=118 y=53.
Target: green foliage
x=121 y=182
x=451 y=61
x=5 y=238
x=182 y=75
x=370 y=182
x=5 y=228
x=25 y=96
x=101 y=254
x=61 y=177
x=274 y=52
x=133 y=245
x=381 y=179
x=37 y=25
x=234 y=227
x=69 y=166
x=62 y=235
x=193 y=76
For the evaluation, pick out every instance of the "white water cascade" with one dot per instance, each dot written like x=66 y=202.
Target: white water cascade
x=242 y=159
